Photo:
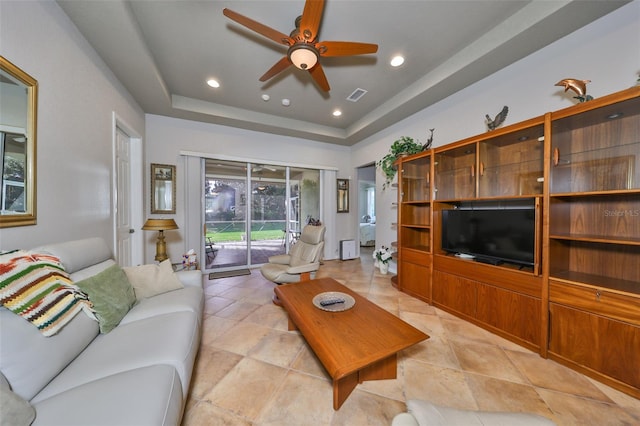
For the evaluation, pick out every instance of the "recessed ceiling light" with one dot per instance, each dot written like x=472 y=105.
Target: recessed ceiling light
x=286 y=102
x=337 y=113
x=265 y=97
x=396 y=61
x=213 y=83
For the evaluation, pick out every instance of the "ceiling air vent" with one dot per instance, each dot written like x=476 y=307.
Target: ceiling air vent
x=356 y=95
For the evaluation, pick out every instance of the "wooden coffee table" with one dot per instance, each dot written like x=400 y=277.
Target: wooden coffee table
x=354 y=345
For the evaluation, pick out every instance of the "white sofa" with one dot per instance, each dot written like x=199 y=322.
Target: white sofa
x=137 y=374
x=424 y=413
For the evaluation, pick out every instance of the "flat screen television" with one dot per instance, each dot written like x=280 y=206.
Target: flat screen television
x=491 y=235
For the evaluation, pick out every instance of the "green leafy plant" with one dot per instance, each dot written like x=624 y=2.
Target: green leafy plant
x=403 y=146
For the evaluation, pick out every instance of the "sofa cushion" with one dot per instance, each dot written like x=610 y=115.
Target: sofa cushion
x=36 y=287
x=30 y=360
x=188 y=299
x=145 y=396
x=79 y=254
x=170 y=339
x=111 y=294
x=15 y=410
x=151 y=280
x=91 y=270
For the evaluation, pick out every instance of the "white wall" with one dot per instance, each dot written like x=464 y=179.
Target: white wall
x=77 y=96
x=607 y=52
x=167 y=137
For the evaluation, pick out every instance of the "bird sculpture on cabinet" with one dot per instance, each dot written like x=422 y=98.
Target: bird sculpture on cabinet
x=429 y=141
x=579 y=87
x=496 y=122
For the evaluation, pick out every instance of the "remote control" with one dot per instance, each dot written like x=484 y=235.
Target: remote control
x=331 y=301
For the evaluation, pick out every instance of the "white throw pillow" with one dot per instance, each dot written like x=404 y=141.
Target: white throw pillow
x=150 y=280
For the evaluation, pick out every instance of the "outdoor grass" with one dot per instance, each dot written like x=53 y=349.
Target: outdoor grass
x=234 y=231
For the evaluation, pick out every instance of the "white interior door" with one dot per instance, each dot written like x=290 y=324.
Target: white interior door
x=124 y=226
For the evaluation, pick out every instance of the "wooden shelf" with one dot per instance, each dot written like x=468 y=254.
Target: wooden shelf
x=579 y=303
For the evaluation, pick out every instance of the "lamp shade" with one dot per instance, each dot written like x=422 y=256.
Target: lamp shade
x=159 y=224
x=303 y=56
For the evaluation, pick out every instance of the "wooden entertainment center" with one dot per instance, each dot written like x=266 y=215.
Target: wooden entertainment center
x=578 y=300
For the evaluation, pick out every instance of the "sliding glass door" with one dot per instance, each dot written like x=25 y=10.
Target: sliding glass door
x=253 y=211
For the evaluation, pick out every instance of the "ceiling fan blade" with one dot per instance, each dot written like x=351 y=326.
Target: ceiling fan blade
x=310 y=20
x=345 y=48
x=268 y=32
x=280 y=66
x=318 y=75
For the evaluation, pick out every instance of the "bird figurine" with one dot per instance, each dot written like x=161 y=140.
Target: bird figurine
x=496 y=122
x=429 y=141
x=579 y=87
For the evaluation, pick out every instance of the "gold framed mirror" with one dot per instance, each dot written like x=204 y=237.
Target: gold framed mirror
x=18 y=124
x=163 y=188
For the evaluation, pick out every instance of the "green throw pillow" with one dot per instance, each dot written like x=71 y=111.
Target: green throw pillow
x=111 y=294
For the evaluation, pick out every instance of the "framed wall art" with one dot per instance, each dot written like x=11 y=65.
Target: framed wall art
x=343 y=195
x=163 y=188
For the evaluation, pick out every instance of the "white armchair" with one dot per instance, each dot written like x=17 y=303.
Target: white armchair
x=303 y=258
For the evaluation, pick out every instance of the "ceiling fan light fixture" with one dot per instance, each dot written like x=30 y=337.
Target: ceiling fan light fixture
x=303 y=56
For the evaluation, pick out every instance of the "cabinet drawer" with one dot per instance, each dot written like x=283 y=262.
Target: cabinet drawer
x=596 y=300
x=415 y=256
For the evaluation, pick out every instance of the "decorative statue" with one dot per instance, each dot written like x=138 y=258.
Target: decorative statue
x=429 y=141
x=577 y=86
x=496 y=122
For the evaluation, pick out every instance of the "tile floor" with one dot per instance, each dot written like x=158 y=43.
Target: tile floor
x=252 y=371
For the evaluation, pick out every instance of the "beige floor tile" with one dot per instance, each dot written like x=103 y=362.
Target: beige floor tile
x=214 y=304
x=278 y=347
x=252 y=371
x=215 y=288
x=435 y=350
x=574 y=410
x=426 y=323
x=241 y=338
x=363 y=408
x=213 y=327
x=440 y=385
x=493 y=394
x=488 y=360
x=237 y=311
x=622 y=399
x=460 y=330
x=247 y=388
x=548 y=374
x=269 y=315
x=211 y=366
x=205 y=413
x=301 y=400
x=237 y=293
x=308 y=363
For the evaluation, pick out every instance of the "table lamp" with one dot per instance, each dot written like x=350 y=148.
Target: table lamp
x=160 y=225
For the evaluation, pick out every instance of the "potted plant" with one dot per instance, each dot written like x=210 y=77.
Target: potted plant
x=403 y=146
x=382 y=257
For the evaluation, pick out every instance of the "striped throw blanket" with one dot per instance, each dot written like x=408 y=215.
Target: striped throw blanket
x=36 y=287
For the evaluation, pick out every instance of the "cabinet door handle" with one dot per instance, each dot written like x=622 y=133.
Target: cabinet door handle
x=556 y=156
x=473 y=171
x=481 y=169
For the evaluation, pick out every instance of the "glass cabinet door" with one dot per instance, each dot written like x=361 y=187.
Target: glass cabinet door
x=416 y=181
x=455 y=173
x=512 y=164
x=597 y=150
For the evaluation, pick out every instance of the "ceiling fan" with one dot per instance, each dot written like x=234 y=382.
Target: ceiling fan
x=304 y=50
